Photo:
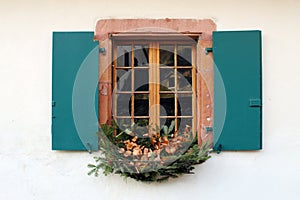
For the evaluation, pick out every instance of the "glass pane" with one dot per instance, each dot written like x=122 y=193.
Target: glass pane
x=124 y=55
x=141 y=80
x=123 y=124
x=143 y=122
x=167 y=79
x=141 y=127
x=185 y=103
x=141 y=55
x=184 y=79
x=167 y=102
x=185 y=125
x=184 y=55
x=123 y=104
x=166 y=55
x=141 y=105
x=123 y=80
x=167 y=122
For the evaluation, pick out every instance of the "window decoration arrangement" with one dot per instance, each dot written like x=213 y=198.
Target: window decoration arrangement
x=159 y=99
x=151 y=159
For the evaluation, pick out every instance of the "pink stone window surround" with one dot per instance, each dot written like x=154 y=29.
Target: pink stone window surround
x=137 y=27
x=105 y=27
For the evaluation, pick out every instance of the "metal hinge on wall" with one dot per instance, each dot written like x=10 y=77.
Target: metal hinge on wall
x=255 y=103
x=208 y=50
x=208 y=129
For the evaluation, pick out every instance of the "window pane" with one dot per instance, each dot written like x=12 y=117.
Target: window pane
x=167 y=102
x=141 y=127
x=184 y=79
x=124 y=55
x=167 y=122
x=141 y=105
x=166 y=55
x=123 y=104
x=143 y=122
x=141 y=80
x=185 y=103
x=167 y=79
x=184 y=125
x=123 y=80
x=141 y=55
x=123 y=124
x=184 y=55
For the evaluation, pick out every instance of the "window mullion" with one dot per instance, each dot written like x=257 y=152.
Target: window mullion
x=151 y=86
x=154 y=84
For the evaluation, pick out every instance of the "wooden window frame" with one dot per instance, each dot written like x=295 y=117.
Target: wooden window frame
x=154 y=68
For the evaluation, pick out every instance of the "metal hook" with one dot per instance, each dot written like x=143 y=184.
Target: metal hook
x=102 y=50
x=208 y=49
x=208 y=129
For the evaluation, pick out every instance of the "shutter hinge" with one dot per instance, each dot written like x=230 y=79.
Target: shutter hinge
x=208 y=50
x=255 y=102
x=53 y=105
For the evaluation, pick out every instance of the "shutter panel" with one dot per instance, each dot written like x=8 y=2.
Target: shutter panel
x=237 y=90
x=74 y=91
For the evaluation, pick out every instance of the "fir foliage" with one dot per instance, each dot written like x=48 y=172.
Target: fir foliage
x=124 y=154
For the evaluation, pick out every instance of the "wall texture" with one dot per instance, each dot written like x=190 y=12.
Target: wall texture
x=30 y=170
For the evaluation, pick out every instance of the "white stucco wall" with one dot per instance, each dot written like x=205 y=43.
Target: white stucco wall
x=30 y=170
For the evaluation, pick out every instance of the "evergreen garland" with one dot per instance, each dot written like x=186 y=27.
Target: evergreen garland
x=152 y=159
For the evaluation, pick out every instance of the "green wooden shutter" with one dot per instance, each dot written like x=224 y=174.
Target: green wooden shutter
x=237 y=90
x=74 y=91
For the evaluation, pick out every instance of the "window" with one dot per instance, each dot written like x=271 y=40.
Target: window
x=234 y=72
x=154 y=83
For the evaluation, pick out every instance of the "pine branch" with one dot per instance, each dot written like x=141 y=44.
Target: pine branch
x=112 y=161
